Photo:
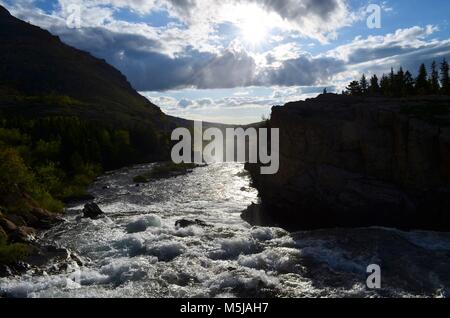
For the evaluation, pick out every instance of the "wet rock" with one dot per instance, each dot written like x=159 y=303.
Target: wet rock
x=185 y=223
x=92 y=211
x=17 y=220
x=76 y=259
x=5 y=271
x=7 y=225
x=43 y=219
x=23 y=234
x=46 y=254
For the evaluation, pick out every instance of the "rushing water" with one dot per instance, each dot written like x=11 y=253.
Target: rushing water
x=136 y=250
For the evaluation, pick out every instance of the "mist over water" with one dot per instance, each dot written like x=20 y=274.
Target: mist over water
x=136 y=250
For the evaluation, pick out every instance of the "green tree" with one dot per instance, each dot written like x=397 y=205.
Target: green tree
x=422 y=87
x=434 y=79
x=409 y=84
x=385 y=85
x=364 y=85
x=354 y=89
x=445 y=77
x=399 y=83
x=14 y=174
x=374 y=88
x=392 y=83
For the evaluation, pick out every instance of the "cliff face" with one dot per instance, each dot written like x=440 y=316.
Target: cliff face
x=347 y=161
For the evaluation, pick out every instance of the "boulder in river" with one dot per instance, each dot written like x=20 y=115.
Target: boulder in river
x=185 y=223
x=23 y=234
x=92 y=211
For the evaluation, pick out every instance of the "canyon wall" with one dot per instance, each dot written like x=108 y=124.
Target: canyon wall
x=349 y=162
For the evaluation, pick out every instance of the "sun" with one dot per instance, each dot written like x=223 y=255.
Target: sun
x=254 y=31
x=252 y=22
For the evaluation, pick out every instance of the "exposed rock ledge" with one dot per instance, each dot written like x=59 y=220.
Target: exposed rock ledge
x=350 y=162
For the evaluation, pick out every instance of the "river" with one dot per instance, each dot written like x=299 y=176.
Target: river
x=137 y=251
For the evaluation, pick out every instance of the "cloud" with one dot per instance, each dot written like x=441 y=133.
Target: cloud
x=224 y=109
x=185 y=103
x=305 y=70
x=177 y=56
x=318 y=19
x=406 y=47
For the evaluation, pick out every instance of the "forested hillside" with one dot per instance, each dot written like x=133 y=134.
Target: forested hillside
x=65 y=117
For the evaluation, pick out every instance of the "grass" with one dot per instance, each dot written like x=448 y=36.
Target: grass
x=11 y=253
x=165 y=170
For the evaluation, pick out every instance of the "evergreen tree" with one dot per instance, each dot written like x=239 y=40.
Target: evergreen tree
x=445 y=79
x=399 y=85
x=364 y=84
x=374 y=88
x=409 y=84
x=422 y=87
x=391 y=82
x=434 y=79
x=354 y=89
x=385 y=85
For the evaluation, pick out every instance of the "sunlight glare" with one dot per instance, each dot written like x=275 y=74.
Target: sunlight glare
x=253 y=22
x=253 y=29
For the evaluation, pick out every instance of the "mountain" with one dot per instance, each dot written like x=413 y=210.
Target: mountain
x=40 y=75
x=353 y=161
x=65 y=117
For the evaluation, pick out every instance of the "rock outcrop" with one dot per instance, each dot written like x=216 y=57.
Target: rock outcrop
x=350 y=162
x=92 y=211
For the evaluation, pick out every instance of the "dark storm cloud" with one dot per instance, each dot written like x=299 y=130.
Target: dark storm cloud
x=138 y=59
x=296 y=9
x=288 y=9
x=302 y=71
x=147 y=69
x=141 y=60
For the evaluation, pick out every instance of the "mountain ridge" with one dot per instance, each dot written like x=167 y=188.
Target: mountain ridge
x=35 y=63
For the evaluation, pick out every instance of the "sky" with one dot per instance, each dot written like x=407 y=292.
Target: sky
x=230 y=61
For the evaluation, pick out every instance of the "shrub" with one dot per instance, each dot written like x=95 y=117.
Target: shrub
x=11 y=253
x=141 y=179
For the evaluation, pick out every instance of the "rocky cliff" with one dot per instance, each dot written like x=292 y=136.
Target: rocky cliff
x=350 y=162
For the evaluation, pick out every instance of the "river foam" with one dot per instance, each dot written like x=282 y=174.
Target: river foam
x=137 y=251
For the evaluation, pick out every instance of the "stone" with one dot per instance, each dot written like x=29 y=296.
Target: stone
x=18 y=220
x=353 y=161
x=7 y=225
x=186 y=223
x=92 y=211
x=43 y=219
x=23 y=234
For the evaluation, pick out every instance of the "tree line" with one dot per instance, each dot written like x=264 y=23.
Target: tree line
x=56 y=158
x=435 y=81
